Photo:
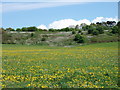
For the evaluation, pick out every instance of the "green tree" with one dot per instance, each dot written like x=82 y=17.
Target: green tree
x=79 y=38
x=39 y=29
x=32 y=34
x=73 y=32
x=77 y=27
x=79 y=31
x=65 y=29
x=51 y=29
x=91 y=29
x=18 y=29
x=24 y=29
x=95 y=32
x=100 y=29
x=115 y=30
x=118 y=24
x=32 y=28
x=85 y=28
x=10 y=29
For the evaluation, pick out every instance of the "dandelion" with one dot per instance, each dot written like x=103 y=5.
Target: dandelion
x=28 y=85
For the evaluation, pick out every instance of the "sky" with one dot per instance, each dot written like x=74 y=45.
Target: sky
x=56 y=15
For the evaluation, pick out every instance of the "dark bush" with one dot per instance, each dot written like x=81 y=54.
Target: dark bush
x=115 y=30
x=32 y=34
x=90 y=30
x=73 y=32
x=82 y=33
x=52 y=30
x=95 y=32
x=79 y=38
x=32 y=29
x=100 y=29
x=43 y=39
x=79 y=31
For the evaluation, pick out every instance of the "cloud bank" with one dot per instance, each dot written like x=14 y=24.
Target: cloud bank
x=102 y=19
x=68 y=22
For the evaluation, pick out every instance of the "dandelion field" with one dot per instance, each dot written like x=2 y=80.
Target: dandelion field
x=87 y=66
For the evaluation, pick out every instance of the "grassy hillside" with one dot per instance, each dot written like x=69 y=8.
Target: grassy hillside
x=54 y=38
x=86 y=66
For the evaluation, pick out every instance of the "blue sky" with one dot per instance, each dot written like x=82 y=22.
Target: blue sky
x=17 y=15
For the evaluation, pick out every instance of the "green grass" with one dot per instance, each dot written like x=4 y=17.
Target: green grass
x=86 y=66
x=104 y=38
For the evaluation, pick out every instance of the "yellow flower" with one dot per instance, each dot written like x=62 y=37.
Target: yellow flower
x=44 y=86
x=28 y=85
x=3 y=86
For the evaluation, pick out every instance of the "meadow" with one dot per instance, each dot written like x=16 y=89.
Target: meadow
x=85 y=66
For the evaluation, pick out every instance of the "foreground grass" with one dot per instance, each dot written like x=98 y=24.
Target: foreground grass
x=89 y=66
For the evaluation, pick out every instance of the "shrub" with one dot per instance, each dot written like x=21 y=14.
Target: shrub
x=104 y=38
x=100 y=29
x=52 y=30
x=32 y=29
x=115 y=30
x=82 y=33
x=6 y=37
x=79 y=38
x=79 y=31
x=43 y=39
x=73 y=32
x=90 y=30
x=95 y=32
x=32 y=34
x=18 y=29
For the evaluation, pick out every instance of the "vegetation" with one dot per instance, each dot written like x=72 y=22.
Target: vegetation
x=88 y=66
x=28 y=61
x=104 y=38
x=79 y=38
x=63 y=37
x=73 y=32
x=114 y=30
x=95 y=32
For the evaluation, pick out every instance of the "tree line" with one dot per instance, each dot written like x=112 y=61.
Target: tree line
x=94 y=29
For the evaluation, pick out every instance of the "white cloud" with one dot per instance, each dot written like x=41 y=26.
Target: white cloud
x=102 y=19
x=62 y=23
x=42 y=27
x=7 y=7
x=69 y=22
x=84 y=21
x=66 y=23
